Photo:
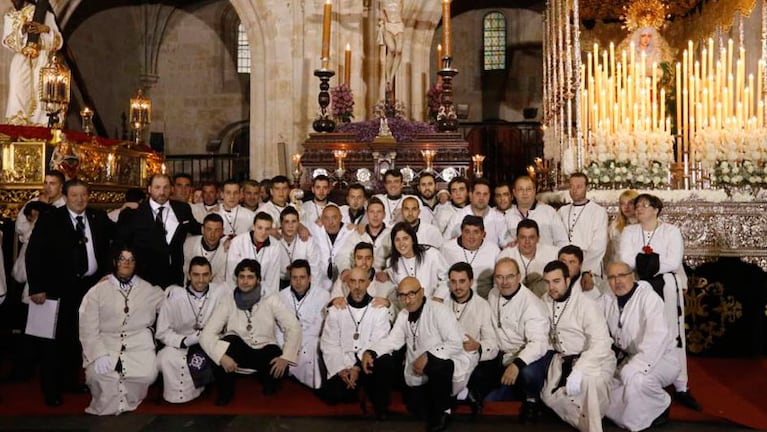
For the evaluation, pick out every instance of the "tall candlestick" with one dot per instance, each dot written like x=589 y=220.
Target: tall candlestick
x=446 y=29
x=348 y=65
x=439 y=56
x=326 y=15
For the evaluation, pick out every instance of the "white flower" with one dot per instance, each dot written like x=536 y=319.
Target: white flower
x=605 y=179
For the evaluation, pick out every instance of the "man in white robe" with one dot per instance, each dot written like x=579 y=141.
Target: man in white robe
x=645 y=348
x=428 y=234
x=237 y=219
x=526 y=206
x=495 y=226
x=474 y=316
x=521 y=324
x=353 y=212
x=374 y=232
x=279 y=193
x=586 y=225
x=182 y=317
x=502 y=198
x=209 y=202
x=436 y=366
x=240 y=335
x=295 y=247
x=382 y=293
x=259 y=245
x=116 y=320
x=346 y=334
x=311 y=210
x=209 y=245
x=392 y=199
x=458 y=188
x=577 y=385
x=23 y=106
x=472 y=248
x=531 y=255
x=329 y=239
x=580 y=281
x=308 y=304
x=427 y=196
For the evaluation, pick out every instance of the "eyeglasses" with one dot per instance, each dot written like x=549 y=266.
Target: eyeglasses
x=123 y=259
x=643 y=205
x=504 y=278
x=410 y=295
x=617 y=276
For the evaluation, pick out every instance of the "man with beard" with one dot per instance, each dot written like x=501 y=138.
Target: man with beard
x=428 y=234
x=583 y=282
x=427 y=192
x=312 y=210
x=353 y=212
x=182 y=187
x=495 y=227
x=502 y=198
x=470 y=247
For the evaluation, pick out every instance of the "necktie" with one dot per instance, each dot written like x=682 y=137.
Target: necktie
x=159 y=220
x=82 y=252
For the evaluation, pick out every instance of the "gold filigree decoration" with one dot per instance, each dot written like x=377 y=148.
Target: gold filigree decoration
x=644 y=13
x=708 y=311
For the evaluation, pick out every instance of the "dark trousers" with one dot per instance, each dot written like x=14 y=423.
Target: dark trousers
x=529 y=382
x=377 y=386
x=433 y=398
x=250 y=358
x=484 y=378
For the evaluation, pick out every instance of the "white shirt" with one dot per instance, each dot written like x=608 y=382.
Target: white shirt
x=309 y=313
x=665 y=240
x=482 y=261
x=237 y=220
x=586 y=227
x=443 y=213
x=392 y=207
x=431 y=272
x=329 y=252
x=495 y=226
x=381 y=249
x=93 y=265
x=274 y=211
x=475 y=318
x=169 y=220
x=345 y=218
x=550 y=227
x=428 y=234
x=311 y=211
x=217 y=258
x=543 y=255
x=272 y=257
x=521 y=324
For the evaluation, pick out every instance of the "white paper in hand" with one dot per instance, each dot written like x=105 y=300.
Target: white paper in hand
x=41 y=319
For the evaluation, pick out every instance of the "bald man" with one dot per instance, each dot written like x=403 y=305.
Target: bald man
x=330 y=239
x=428 y=234
x=436 y=366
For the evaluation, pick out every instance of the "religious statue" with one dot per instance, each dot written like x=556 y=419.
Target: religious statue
x=643 y=19
x=391 y=30
x=23 y=107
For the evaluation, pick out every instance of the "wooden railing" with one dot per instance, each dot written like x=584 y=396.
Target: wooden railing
x=203 y=167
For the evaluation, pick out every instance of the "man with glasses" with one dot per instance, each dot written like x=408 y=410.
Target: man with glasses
x=526 y=206
x=521 y=324
x=644 y=346
x=436 y=366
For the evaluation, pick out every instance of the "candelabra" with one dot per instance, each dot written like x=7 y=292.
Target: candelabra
x=428 y=159
x=140 y=114
x=324 y=123
x=86 y=115
x=478 y=159
x=340 y=155
x=297 y=170
x=54 y=88
x=447 y=120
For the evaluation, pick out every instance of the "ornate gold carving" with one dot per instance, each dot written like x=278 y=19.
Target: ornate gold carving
x=706 y=324
x=644 y=13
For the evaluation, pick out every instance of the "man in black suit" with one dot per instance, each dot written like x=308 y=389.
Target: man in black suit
x=156 y=231
x=68 y=253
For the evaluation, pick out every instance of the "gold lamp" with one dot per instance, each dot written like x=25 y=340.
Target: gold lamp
x=140 y=114
x=55 y=79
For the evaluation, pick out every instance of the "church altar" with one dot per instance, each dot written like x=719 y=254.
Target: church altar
x=110 y=166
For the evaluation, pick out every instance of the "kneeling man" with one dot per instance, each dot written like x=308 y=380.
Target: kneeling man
x=647 y=361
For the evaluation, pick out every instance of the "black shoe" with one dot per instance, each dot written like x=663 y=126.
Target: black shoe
x=530 y=412
x=439 y=424
x=475 y=403
x=223 y=399
x=686 y=399
x=78 y=389
x=662 y=418
x=53 y=401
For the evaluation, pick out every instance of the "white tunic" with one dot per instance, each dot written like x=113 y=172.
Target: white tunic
x=264 y=318
x=329 y=252
x=586 y=227
x=578 y=327
x=340 y=349
x=381 y=249
x=200 y=210
x=594 y=293
x=475 y=318
x=428 y=234
x=443 y=213
x=182 y=314
x=274 y=211
x=393 y=208
x=310 y=313
x=107 y=330
x=345 y=218
x=217 y=258
x=482 y=261
x=431 y=272
x=436 y=332
x=495 y=226
x=238 y=220
x=550 y=227
x=637 y=393
x=667 y=242
x=521 y=324
x=299 y=249
x=272 y=257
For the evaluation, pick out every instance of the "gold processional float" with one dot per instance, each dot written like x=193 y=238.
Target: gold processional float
x=110 y=166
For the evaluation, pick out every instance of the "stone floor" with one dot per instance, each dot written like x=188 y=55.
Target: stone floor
x=211 y=423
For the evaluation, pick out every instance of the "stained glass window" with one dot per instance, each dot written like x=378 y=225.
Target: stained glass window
x=494 y=41
x=243 y=50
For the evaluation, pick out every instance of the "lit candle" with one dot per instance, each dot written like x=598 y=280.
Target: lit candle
x=348 y=65
x=446 y=29
x=296 y=158
x=612 y=59
x=163 y=168
x=439 y=56
x=678 y=107
x=326 y=16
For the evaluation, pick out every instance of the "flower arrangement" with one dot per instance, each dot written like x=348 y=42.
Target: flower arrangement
x=403 y=130
x=636 y=159
x=740 y=174
x=342 y=103
x=434 y=99
x=735 y=146
x=393 y=110
x=612 y=173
